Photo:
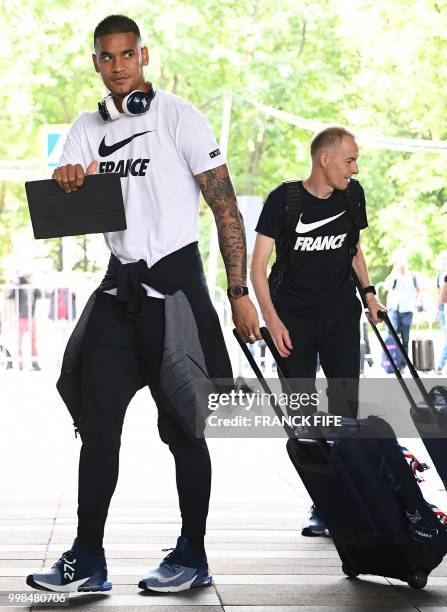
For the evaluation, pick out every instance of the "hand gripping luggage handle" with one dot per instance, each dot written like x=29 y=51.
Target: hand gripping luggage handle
x=281 y=368
x=259 y=375
x=320 y=441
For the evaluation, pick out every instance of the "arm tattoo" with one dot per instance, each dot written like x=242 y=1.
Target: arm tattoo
x=218 y=192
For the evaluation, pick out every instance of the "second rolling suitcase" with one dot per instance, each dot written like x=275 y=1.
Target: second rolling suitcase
x=429 y=415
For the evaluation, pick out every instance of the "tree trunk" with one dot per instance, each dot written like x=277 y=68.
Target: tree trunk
x=65 y=111
x=60 y=255
x=255 y=160
x=84 y=254
x=2 y=196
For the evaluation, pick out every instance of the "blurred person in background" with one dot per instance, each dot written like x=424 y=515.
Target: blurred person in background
x=25 y=297
x=62 y=305
x=441 y=284
x=403 y=296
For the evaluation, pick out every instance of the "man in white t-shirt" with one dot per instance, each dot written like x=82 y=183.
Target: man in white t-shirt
x=166 y=154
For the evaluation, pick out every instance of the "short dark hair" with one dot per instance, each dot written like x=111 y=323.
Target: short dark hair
x=328 y=138
x=115 y=24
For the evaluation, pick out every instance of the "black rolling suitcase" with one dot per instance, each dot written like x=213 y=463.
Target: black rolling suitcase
x=430 y=415
x=366 y=492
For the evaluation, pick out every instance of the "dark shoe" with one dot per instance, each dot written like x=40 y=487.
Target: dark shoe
x=315 y=525
x=78 y=570
x=35 y=366
x=184 y=568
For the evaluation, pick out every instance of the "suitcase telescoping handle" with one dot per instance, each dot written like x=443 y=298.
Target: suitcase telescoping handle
x=385 y=349
x=281 y=367
x=282 y=373
x=259 y=375
x=383 y=315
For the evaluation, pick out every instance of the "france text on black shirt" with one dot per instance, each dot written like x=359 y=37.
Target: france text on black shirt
x=318 y=276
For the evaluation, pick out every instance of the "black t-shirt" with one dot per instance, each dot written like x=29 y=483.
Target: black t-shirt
x=318 y=275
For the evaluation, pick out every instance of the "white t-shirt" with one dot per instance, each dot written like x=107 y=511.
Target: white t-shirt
x=402 y=292
x=157 y=155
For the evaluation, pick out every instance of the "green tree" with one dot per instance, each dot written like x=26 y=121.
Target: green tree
x=371 y=66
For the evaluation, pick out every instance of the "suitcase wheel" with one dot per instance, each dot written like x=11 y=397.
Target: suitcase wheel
x=351 y=573
x=418 y=579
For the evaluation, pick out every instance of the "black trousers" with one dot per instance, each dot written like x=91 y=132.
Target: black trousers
x=335 y=337
x=120 y=356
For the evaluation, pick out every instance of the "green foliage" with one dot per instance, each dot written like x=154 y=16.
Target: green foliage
x=373 y=66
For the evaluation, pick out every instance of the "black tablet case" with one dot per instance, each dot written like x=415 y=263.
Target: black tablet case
x=96 y=207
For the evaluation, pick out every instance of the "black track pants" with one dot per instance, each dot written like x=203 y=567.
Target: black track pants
x=336 y=339
x=120 y=356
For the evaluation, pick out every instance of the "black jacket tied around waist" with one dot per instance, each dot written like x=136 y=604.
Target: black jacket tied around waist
x=180 y=277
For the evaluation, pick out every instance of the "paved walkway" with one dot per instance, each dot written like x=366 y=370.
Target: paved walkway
x=259 y=559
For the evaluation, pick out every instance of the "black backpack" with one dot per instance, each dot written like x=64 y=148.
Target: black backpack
x=294 y=208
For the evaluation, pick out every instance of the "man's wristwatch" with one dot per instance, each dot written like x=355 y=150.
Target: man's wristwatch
x=369 y=289
x=237 y=291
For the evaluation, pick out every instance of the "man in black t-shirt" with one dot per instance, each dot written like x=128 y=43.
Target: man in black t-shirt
x=315 y=311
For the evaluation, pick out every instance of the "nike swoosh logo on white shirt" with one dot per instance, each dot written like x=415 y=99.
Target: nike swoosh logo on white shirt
x=304 y=228
x=106 y=150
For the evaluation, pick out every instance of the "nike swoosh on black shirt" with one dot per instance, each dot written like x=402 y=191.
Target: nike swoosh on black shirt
x=106 y=150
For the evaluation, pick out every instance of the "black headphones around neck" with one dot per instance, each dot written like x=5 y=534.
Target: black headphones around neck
x=135 y=103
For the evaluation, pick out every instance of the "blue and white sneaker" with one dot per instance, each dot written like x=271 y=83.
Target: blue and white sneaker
x=315 y=524
x=184 y=568
x=78 y=570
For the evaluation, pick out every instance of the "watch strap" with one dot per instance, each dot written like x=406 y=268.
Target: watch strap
x=237 y=291
x=369 y=289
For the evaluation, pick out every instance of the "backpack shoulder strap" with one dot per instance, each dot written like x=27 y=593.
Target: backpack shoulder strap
x=293 y=196
x=353 y=195
x=293 y=210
